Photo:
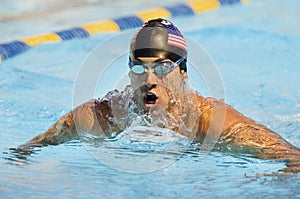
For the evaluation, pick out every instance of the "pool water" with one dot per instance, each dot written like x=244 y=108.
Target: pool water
x=255 y=47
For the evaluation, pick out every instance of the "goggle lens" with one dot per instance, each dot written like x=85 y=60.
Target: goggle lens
x=138 y=69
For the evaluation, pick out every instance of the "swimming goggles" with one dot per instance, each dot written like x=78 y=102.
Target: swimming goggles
x=159 y=68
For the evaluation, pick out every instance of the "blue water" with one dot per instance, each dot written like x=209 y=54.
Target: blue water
x=255 y=47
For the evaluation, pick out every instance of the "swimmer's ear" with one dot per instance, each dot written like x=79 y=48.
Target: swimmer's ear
x=129 y=74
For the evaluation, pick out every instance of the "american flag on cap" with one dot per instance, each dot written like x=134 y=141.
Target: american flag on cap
x=175 y=38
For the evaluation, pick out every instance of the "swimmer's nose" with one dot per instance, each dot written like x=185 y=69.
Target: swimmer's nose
x=148 y=87
x=151 y=78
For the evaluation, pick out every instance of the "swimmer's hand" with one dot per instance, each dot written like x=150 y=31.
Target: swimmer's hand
x=293 y=164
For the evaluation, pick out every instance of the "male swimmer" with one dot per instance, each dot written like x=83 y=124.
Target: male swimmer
x=158 y=74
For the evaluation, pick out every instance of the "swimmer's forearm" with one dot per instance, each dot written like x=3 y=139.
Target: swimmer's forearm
x=62 y=131
x=92 y=117
x=82 y=118
x=240 y=134
x=265 y=143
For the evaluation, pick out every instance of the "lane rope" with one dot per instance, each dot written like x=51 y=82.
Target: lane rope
x=191 y=7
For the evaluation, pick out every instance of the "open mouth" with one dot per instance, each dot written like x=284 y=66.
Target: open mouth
x=150 y=99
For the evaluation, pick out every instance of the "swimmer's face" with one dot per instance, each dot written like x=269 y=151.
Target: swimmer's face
x=153 y=90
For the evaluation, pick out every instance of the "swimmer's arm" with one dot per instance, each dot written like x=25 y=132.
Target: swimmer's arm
x=247 y=136
x=61 y=131
x=90 y=117
x=261 y=142
x=243 y=135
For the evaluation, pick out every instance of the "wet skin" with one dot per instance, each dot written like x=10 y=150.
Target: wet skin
x=161 y=88
x=207 y=119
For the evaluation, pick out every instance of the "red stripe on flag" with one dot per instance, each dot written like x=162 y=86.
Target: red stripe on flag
x=177 y=41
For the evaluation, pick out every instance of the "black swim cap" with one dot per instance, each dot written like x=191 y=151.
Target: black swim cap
x=159 y=38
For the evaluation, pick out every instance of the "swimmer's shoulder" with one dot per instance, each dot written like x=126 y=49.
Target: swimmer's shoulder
x=207 y=103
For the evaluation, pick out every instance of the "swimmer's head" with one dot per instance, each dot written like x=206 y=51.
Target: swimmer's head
x=159 y=38
x=157 y=64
